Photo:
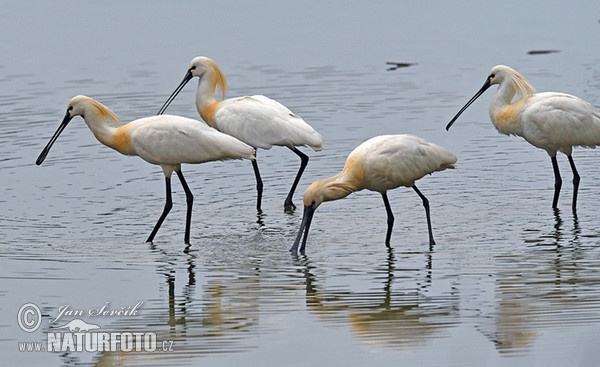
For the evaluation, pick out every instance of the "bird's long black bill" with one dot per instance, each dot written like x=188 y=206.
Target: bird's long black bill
x=304 y=227
x=60 y=129
x=188 y=76
x=485 y=86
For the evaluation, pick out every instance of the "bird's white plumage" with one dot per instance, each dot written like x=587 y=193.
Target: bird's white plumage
x=390 y=161
x=165 y=140
x=379 y=164
x=558 y=121
x=263 y=122
x=168 y=139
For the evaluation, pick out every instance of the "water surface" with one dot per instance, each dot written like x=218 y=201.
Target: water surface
x=510 y=282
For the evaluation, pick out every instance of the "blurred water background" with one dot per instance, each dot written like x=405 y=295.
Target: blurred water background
x=510 y=282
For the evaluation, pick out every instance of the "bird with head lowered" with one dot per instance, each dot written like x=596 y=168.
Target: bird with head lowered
x=379 y=164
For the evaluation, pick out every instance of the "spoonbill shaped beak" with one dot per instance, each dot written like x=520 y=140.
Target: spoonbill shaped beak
x=188 y=76
x=60 y=129
x=486 y=85
x=309 y=211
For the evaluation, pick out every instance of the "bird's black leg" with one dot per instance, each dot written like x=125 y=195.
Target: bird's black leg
x=390 y=218
x=426 y=205
x=166 y=210
x=576 y=180
x=259 y=184
x=557 y=182
x=288 y=205
x=190 y=201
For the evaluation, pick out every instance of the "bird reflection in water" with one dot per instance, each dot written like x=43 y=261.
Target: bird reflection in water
x=384 y=318
x=540 y=287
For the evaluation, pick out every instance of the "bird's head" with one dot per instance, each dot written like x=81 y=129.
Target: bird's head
x=313 y=197
x=201 y=65
x=207 y=71
x=79 y=106
x=74 y=108
x=327 y=189
x=499 y=74
x=318 y=192
x=205 y=68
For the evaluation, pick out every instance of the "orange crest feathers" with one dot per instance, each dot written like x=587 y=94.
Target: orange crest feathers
x=523 y=87
x=105 y=112
x=219 y=78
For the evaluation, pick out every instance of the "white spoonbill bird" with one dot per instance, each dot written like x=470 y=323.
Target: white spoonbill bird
x=164 y=140
x=256 y=120
x=379 y=164
x=550 y=121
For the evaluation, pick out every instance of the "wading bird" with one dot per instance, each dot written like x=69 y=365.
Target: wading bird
x=379 y=164
x=256 y=120
x=163 y=140
x=550 y=121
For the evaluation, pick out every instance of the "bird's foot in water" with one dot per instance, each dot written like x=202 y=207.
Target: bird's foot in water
x=289 y=207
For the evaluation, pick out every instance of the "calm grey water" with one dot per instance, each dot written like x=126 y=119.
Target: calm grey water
x=509 y=283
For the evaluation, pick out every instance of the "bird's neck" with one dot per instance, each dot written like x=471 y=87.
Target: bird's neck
x=206 y=102
x=505 y=93
x=504 y=113
x=338 y=187
x=115 y=137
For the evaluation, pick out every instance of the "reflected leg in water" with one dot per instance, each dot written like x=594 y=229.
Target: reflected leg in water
x=558 y=234
x=260 y=219
x=380 y=315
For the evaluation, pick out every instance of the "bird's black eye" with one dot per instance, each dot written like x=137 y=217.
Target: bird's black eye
x=193 y=67
x=492 y=76
x=70 y=109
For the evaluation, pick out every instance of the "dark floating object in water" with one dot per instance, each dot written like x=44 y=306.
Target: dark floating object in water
x=397 y=65
x=542 y=52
